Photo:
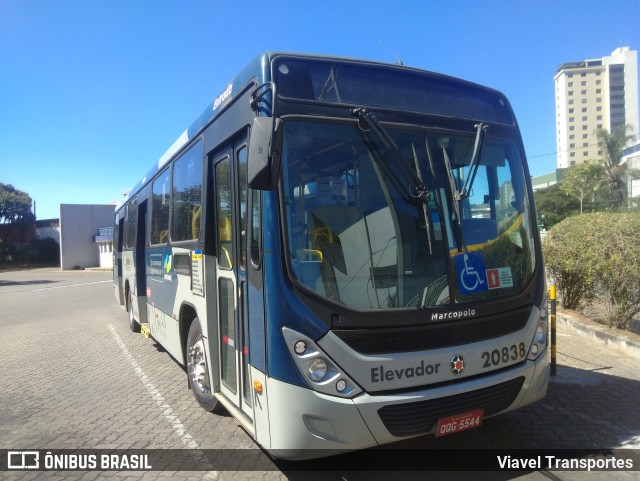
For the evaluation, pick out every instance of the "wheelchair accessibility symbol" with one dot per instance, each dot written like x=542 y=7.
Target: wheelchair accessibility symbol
x=471 y=273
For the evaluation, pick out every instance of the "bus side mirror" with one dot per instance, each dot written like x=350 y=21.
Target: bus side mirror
x=264 y=157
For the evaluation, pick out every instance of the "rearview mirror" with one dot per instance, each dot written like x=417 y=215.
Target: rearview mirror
x=264 y=160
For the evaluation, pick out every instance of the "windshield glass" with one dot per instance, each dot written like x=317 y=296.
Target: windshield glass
x=361 y=231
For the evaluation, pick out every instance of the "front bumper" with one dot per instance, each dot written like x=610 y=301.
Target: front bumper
x=305 y=424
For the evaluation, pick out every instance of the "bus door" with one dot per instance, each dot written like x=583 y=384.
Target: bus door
x=141 y=270
x=118 y=236
x=231 y=218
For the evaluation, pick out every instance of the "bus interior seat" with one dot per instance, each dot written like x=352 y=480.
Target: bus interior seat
x=195 y=221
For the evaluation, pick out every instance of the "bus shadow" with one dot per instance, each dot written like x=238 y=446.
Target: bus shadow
x=4 y=282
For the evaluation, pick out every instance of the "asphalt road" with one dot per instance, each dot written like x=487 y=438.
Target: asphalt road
x=73 y=376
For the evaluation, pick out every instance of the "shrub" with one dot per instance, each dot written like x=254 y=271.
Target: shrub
x=617 y=266
x=45 y=251
x=568 y=260
x=597 y=255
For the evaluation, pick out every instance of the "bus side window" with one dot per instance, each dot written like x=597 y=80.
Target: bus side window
x=160 y=209
x=223 y=214
x=255 y=227
x=187 y=195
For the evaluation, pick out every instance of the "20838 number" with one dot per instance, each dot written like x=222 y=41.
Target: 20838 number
x=504 y=355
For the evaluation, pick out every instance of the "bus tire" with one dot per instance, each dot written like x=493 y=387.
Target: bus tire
x=133 y=324
x=198 y=368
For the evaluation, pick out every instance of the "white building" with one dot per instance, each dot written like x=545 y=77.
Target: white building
x=85 y=240
x=593 y=94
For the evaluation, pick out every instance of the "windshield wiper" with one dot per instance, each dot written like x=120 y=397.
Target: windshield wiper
x=331 y=83
x=460 y=195
x=419 y=192
x=481 y=130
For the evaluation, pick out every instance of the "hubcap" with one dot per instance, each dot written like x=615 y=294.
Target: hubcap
x=197 y=365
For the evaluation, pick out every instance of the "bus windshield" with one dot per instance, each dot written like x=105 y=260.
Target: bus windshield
x=373 y=227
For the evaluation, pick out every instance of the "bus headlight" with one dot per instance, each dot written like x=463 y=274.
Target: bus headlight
x=320 y=372
x=317 y=369
x=541 y=336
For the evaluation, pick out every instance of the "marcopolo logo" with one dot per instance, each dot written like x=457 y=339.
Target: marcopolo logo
x=442 y=316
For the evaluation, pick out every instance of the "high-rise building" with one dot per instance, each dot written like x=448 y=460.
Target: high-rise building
x=593 y=94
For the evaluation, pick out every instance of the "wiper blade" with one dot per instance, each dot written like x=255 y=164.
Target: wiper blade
x=331 y=83
x=465 y=192
x=419 y=191
x=423 y=194
x=454 y=191
x=474 y=164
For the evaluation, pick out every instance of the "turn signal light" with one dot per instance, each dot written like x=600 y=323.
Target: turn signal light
x=257 y=386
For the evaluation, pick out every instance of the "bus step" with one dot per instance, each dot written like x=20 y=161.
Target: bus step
x=144 y=329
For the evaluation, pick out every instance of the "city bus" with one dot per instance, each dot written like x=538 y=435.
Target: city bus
x=342 y=253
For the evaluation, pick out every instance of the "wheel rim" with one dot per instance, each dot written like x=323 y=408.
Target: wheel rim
x=132 y=320
x=197 y=365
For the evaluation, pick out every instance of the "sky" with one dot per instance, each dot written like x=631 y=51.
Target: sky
x=93 y=92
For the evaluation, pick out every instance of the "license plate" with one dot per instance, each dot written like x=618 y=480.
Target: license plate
x=459 y=422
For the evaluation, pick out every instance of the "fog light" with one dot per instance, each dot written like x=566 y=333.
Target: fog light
x=534 y=348
x=341 y=385
x=300 y=347
x=317 y=369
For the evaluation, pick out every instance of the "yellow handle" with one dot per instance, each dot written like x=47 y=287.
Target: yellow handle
x=309 y=252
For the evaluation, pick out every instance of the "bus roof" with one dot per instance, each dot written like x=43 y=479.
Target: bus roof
x=258 y=69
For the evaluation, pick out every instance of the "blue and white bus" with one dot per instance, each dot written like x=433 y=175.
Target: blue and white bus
x=342 y=254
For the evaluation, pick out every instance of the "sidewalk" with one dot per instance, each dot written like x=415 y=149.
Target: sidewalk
x=622 y=341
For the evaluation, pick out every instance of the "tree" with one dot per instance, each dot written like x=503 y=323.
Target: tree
x=611 y=145
x=583 y=181
x=553 y=205
x=15 y=207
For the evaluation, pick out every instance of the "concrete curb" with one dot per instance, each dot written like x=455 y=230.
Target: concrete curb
x=618 y=340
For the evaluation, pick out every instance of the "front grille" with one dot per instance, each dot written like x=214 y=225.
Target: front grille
x=411 y=419
x=453 y=333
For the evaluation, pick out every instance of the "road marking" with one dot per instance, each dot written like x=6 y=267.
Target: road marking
x=56 y=287
x=166 y=409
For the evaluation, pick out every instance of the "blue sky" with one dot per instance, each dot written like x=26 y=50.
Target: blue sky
x=93 y=92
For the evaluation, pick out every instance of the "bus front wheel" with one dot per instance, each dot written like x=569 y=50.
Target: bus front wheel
x=198 y=368
x=133 y=324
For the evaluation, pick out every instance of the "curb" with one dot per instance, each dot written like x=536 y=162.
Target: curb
x=625 y=343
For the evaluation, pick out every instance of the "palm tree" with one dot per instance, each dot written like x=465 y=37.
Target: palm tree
x=611 y=145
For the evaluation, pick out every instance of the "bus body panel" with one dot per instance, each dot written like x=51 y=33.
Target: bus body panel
x=319 y=425
x=261 y=421
x=384 y=372
x=533 y=388
x=283 y=307
x=310 y=424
